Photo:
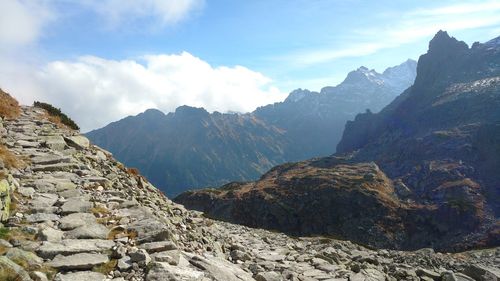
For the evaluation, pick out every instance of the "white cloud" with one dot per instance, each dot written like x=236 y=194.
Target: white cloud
x=97 y=91
x=165 y=12
x=22 y=22
x=408 y=28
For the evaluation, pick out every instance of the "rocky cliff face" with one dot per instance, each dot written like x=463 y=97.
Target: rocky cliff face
x=78 y=214
x=191 y=148
x=435 y=149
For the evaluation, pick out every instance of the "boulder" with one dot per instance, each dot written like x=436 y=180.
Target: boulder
x=78 y=142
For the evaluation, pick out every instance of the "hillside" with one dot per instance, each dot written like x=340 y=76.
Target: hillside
x=421 y=173
x=191 y=148
x=73 y=212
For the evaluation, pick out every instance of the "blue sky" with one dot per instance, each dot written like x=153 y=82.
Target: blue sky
x=103 y=60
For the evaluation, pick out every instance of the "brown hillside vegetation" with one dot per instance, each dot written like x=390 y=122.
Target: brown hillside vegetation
x=9 y=107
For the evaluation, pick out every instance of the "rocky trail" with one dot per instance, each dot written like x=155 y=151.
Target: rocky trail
x=75 y=213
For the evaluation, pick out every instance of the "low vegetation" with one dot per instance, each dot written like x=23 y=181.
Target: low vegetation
x=9 y=159
x=9 y=107
x=57 y=116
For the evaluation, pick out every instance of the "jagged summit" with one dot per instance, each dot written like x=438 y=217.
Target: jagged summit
x=297 y=95
x=186 y=111
x=443 y=43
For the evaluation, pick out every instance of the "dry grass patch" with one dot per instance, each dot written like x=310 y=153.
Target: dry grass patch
x=133 y=172
x=10 y=159
x=99 y=211
x=9 y=107
x=106 y=268
x=7 y=274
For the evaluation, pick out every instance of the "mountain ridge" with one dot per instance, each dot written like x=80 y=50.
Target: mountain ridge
x=434 y=154
x=306 y=124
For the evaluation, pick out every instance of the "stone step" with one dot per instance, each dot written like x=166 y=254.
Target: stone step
x=49 y=250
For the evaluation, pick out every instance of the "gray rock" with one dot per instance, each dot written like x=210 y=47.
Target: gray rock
x=238 y=255
x=482 y=273
x=268 y=276
x=39 y=276
x=41 y=217
x=76 y=205
x=160 y=246
x=55 y=143
x=55 y=167
x=89 y=231
x=75 y=220
x=428 y=273
x=44 y=200
x=219 y=269
x=124 y=263
x=166 y=272
x=171 y=257
x=24 y=256
x=80 y=261
x=22 y=275
x=48 y=250
x=140 y=256
x=150 y=229
x=26 y=191
x=79 y=142
x=50 y=159
x=80 y=276
x=50 y=234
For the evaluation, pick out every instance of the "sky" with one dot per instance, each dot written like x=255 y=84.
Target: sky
x=102 y=60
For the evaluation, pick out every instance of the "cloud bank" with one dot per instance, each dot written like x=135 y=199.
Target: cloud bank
x=22 y=22
x=96 y=91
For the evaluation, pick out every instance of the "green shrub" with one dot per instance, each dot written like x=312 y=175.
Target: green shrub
x=56 y=112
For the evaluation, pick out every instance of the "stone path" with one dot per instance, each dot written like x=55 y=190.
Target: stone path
x=80 y=215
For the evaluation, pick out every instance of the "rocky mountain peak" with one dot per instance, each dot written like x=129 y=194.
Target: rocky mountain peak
x=363 y=75
x=297 y=95
x=186 y=111
x=443 y=43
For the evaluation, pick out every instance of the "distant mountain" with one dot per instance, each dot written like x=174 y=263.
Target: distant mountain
x=424 y=172
x=192 y=148
x=314 y=121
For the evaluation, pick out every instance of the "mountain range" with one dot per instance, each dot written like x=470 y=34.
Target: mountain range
x=423 y=172
x=192 y=148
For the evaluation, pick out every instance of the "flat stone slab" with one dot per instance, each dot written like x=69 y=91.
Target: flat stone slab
x=164 y=272
x=41 y=217
x=78 y=261
x=75 y=220
x=161 y=246
x=80 y=276
x=76 y=205
x=55 y=167
x=50 y=159
x=90 y=231
x=73 y=246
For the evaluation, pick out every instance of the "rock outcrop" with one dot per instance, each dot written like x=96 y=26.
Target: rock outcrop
x=69 y=195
